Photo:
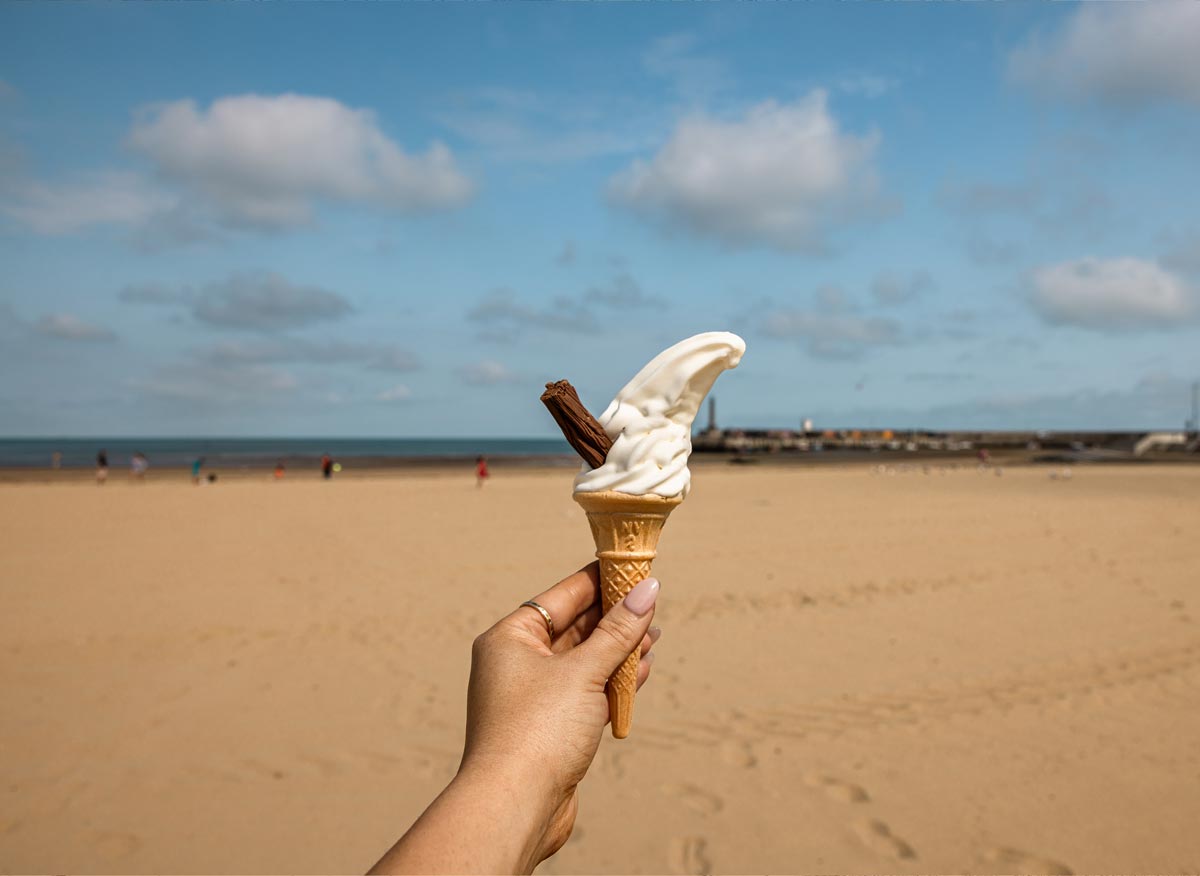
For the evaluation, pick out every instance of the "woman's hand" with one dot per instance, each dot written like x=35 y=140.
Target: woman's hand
x=536 y=710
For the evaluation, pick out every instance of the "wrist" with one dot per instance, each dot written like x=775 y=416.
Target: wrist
x=521 y=799
x=523 y=771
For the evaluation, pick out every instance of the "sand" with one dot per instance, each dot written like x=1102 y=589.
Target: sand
x=860 y=672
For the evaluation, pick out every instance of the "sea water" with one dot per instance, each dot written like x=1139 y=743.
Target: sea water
x=252 y=452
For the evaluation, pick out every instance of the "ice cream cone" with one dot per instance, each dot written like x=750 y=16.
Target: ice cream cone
x=626 y=530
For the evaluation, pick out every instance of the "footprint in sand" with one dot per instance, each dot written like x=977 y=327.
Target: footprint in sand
x=836 y=789
x=695 y=798
x=738 y=753
x=878 y=836
x=1009 y=860
x=689 y=855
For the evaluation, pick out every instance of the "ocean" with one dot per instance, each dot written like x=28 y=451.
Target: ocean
x=256 y=452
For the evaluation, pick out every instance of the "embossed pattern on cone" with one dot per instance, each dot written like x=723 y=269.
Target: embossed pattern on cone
x=625 y=529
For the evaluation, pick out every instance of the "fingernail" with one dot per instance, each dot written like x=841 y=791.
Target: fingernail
x=649 y=659
x=642 y=597
x=655 y=634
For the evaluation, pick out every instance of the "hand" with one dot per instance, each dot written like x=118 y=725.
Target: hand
x=536 y=710
x=539 y=702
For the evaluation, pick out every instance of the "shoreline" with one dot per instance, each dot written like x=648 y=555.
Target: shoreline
x=457 y=466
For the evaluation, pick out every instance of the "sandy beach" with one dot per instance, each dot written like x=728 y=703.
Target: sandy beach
x=860 y=671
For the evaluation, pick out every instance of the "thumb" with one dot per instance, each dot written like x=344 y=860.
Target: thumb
x=620 y=631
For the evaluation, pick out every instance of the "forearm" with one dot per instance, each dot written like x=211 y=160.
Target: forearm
x=485 y=821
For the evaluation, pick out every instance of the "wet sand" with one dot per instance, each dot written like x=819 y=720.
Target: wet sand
x=860 y=671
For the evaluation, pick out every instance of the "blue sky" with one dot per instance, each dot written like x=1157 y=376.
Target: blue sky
x=393 y=219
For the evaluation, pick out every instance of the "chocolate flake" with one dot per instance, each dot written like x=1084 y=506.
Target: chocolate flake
x=578 y=426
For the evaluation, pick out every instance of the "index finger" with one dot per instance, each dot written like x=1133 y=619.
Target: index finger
x=565 y=601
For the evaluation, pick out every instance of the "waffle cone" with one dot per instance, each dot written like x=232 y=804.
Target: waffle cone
x=626 y=530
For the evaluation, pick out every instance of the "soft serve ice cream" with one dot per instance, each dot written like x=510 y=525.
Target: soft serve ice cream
x=639 y=447
x=650 y=420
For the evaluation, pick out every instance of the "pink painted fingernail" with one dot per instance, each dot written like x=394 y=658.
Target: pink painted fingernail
x=642 y=597
x=655 y=634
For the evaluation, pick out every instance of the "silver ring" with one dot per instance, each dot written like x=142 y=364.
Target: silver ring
x=545 y=615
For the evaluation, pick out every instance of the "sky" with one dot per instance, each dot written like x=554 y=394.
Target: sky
x=403 y=219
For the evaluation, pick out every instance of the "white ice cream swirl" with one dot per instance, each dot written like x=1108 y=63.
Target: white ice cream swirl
x=650 y=420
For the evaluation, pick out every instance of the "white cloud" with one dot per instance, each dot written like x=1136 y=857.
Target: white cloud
x=69 y=327
x=1122 y=53
x=486 y=373
x=249 y=161
x=255 y=300
x=780 y=176
x=112 y=198
x=264 y=160
x=1112 y=294
x=396 y=393
x=266 y=301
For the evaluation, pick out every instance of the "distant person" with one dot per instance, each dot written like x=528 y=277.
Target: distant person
x=197 y=464
x=481 y=470
x=279 y=470
x=984 y=456
x=138 y=466
x=327 y=466
x=102 y=467
x=56 y=459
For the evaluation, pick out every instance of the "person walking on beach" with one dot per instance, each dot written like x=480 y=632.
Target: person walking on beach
x=138 y=466
x=481 y=471
x=279 y=470
x=102 y=467
x=197 y=464
x=327 y=466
